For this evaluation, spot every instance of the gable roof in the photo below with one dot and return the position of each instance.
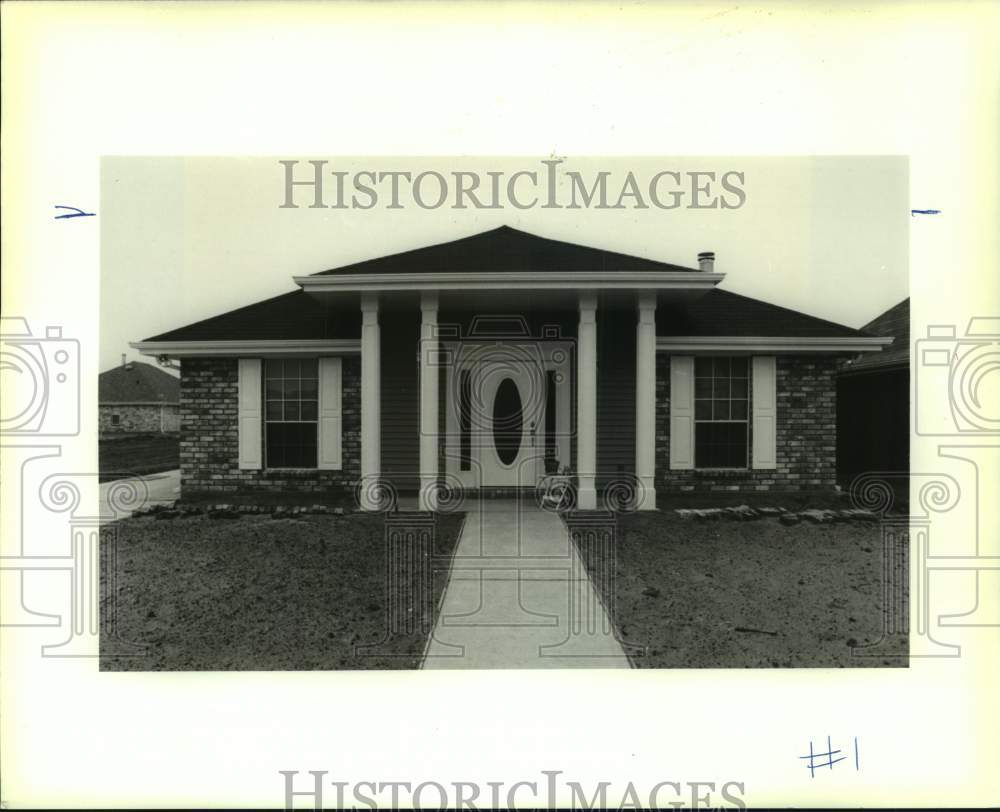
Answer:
(721, 313)
(895, 323)
(137, 382)
(504, 249)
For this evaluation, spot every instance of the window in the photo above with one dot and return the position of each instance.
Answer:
(291, 394)
(116, 419)
(721, 406)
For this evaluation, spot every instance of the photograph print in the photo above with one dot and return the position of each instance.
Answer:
(504, 413)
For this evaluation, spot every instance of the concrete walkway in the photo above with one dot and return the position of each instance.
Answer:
(519, 597)
(158, 488)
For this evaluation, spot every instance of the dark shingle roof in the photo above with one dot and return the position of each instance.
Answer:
(721, 313)
(504, 249)
(893, 322)
(292, 316)
(137, 382)
(299, 316)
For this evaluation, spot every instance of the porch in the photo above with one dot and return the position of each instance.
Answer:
(465, 391)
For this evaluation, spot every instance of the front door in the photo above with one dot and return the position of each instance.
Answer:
(496, 414)
(508, 418)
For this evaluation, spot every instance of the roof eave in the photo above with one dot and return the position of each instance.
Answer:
(249, 348)
(784, 345)
(511, 280)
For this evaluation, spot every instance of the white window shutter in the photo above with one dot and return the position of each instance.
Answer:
(330, 413)
(681, 412)
(248, 383)
(765, 412)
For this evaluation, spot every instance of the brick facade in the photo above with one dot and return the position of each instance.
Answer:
(806, 433)
(208, 447)
(138, 418)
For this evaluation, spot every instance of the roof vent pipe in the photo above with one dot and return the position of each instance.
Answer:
(706, 261)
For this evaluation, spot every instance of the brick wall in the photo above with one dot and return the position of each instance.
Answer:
(806, 433)
(208, 446)
(137, 419)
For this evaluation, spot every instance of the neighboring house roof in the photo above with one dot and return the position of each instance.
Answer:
(504, 249)
(136, 382)
(894, 322)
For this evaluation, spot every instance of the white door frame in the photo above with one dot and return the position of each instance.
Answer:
(535, 359)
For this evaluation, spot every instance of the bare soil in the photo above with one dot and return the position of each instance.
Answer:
(753, 594)
(256, 593)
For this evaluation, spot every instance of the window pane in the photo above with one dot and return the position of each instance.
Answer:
(721, 445)
(721, 367)
(274, 410)
(739, 367)
(309, 368)
(721, 388)
(703, 410)
(738, 410)
(291, 410)
(720, 410)
(291, 445)
(738, 388)
(703, 367)
(272, 368)
(703, 387)
(292, 390)
(273, 389)
(308, 410)
(309, 388)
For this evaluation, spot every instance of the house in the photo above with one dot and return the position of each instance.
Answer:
(487, 361)
(873, 403)
(137, 398)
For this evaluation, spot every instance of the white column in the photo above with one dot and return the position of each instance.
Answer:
(428, 401)
(586, 402)
(371, 430)
(645, 400)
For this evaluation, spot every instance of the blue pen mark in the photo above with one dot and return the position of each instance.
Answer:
(74, 212)
(828, 757)
(915, 212)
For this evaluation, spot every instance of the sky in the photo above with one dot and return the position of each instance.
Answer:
(183, 239)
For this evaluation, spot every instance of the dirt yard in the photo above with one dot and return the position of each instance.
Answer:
(258, 593)
(121, 456)
(753, 594)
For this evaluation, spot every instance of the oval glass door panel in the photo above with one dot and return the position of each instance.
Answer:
(508, 421)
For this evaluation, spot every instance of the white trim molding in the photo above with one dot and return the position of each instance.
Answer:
(245, 349)
(775, 344)
(511, 280)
